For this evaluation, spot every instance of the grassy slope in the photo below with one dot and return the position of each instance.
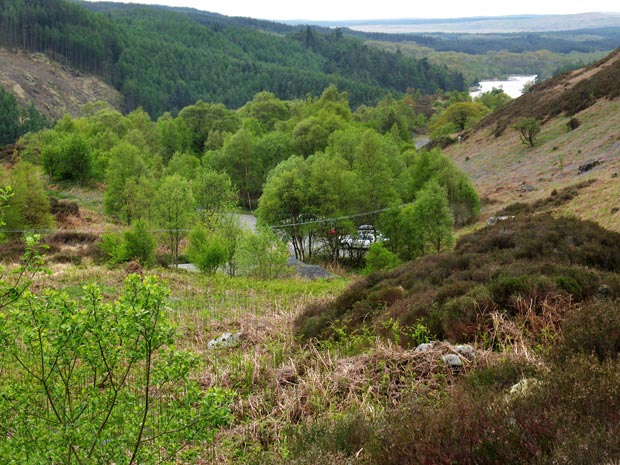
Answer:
(499, 165)
(203, 308)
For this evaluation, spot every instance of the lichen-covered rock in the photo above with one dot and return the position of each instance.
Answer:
(522, 388)
(226, 340)
(453, 361)
(466, 350)
(424, 347)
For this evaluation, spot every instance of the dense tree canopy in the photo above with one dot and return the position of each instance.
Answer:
(165, 60)
(315, 170)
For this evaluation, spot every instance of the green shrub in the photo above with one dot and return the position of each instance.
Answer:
(380, 258)
(261, 254)
(112, 370)
(113, 246)
(139, 244)
(207, 250)
(28, 207)
(136, 243)
(67, 158)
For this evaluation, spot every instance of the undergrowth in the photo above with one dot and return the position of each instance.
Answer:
(524, 267)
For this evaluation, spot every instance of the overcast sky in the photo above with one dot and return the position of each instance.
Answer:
(388, 9)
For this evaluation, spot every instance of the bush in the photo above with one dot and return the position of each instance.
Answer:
(380, 258)
(207, 250)
(261, 254)
(28, 207)
(139, 244)
(134, 244)
(592, 329)
(113, 246)
(68, 158)
(573, 123)
(112, 370)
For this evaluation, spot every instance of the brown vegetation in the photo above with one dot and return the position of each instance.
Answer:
(54, 89)
(568, 94)
(538, 263)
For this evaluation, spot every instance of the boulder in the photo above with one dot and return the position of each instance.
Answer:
(587, 166)
(453, 361)
(226, 340)
(522, 388)
(466, 350)
(424, 347)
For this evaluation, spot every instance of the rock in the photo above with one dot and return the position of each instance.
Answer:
(303, 270)
(453, 361)
(466, 350)
(226, 340)
(424, 347)
(524, 187)
(494, 219)
(522, 387)
(587, 166)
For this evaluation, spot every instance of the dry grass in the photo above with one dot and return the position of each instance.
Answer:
(498, 166)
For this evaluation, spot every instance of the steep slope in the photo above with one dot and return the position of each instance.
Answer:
(54, 89)
(505, 171)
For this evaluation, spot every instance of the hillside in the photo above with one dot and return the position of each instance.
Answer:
(164, 60)
(53, 88)
(505, 171)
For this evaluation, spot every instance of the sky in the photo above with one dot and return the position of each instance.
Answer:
(326, 10)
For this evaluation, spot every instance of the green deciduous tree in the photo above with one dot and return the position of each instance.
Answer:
(494, 99)
(239, 159)
(28, 207)
(214, 194)
(426, 165)
(432, 219)
(174, 211)
(267, 109)
(67, 157)
(204, 119)
(129, 190)
(284, 202)
(86, 381)
(172, 135)
(528, 129)
(457, 117)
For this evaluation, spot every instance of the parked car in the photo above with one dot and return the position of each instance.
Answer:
(366, 236)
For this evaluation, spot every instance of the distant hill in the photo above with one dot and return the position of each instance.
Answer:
(163, 59)
(505, 171)
(487, 24)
